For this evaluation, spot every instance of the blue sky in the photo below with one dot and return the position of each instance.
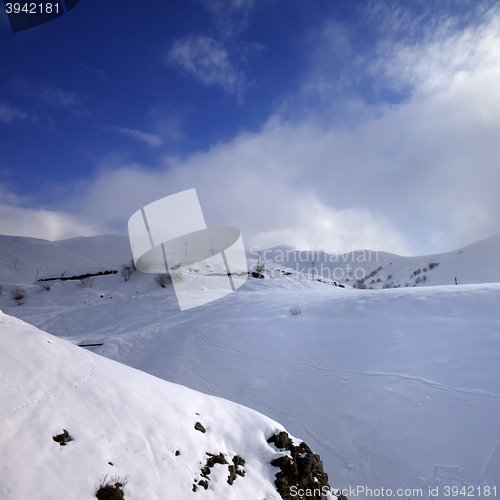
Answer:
(321, 124)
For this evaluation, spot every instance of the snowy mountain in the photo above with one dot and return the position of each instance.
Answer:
(393, 388)
(475, 263)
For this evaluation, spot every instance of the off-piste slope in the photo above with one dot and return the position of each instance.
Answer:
(119, 422)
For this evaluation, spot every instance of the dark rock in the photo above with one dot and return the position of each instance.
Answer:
(203, 483)
(232, 474)
(199, 427)
(235, 469)
(177, 453)
(281, 440)
(238, 460)
(303, 469)
(216, 459)
(110, 492)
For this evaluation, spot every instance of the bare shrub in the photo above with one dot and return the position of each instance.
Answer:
(162, 279)
(260, 267)
(86, 282)
(296, 310)
(112, 488)
(46, 286)
(18, 294)
(259, 270)
(63, 438)
(128, 269)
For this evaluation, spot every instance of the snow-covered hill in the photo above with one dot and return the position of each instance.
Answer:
(394, 388)
(23, 260)
(121, 422)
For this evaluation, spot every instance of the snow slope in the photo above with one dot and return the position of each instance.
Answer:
(123, 422)
(23, 259)
(393, 388)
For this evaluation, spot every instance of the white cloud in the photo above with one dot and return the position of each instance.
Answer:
(10, 113)
(151, 139)
(207, 60)
(45, 224)
(321, 227)
(18, 219)
(431, 63)
(418, 177)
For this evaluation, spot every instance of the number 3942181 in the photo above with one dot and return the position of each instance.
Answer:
(470, 491)
(32, 8)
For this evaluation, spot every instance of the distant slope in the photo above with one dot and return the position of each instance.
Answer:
(53, 258)
(475, 263)
(123, 422)
(21, 258)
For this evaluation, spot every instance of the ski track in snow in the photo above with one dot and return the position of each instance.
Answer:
(154, 340)
(305, 369)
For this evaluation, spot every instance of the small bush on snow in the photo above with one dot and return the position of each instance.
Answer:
(128, 269)
(162, 279)
(112, 488)
(296, 310)
(86, 282)
(18, 294)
